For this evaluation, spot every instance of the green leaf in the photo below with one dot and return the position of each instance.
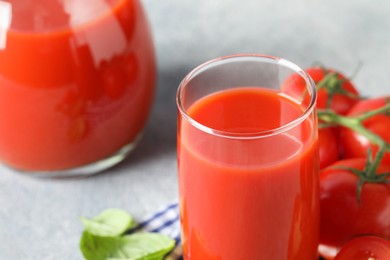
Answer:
(139, 246)
(109, 223)
(98, 248)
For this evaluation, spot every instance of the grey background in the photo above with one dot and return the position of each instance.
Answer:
(39, 219)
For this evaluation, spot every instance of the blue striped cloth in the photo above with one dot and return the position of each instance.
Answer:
(165, 221)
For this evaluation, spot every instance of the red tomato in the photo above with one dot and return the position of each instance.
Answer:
(340, 102)
(329, 150)
(339, 89)
(365, 248)
(355, 145)
(342, 218)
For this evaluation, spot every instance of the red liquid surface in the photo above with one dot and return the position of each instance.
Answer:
(248, 198)
(76, 81)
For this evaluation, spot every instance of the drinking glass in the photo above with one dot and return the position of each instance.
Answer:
(76, 84)
(248, 160)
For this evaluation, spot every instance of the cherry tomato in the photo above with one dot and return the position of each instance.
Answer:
(328, 147)
(356, 145)
(342, 217)
(331, 85)
(365, 248)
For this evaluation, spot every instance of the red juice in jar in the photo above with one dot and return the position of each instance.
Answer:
(248, 173)
(76, 83)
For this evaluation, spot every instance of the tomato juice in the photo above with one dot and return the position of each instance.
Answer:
(76, 82)
(251, 193)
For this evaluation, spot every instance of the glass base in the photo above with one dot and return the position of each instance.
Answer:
(85, 170)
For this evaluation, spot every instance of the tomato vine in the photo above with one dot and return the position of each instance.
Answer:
(355, 123)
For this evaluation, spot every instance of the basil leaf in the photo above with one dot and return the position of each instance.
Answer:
(98, 248)
(145, 246)
(109, 223)
(139, 246)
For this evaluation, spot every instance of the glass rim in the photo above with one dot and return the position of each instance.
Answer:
(250, 135)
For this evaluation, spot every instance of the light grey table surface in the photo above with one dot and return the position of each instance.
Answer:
(39, 218)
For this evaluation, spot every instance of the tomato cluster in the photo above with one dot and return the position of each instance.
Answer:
(354, 150)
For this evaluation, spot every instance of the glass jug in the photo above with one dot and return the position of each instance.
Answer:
(76, 84)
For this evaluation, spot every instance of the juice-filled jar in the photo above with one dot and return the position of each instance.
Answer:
(76, 84)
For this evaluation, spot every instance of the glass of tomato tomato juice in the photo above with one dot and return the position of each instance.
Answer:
(248, 161)
(76, 84)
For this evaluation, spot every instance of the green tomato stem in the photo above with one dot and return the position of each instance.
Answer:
(348, 94)
(355, 124)
(325, 80)
(356, 70)
(373, 167)
(381, 110)
(333, 85)
(325, 125)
